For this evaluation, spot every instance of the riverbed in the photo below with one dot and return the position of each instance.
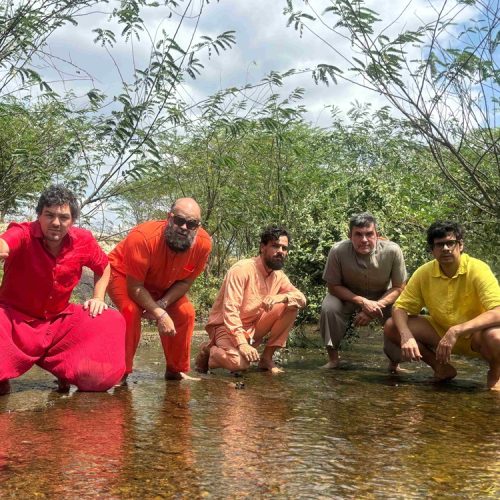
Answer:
(354, 432)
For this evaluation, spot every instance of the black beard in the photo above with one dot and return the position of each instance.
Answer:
(275, 264)
(175, 242)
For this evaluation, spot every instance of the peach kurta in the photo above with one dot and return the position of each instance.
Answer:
(238, 306)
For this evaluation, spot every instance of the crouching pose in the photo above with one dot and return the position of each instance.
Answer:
(462, 297)
(80, 345)
(256, 300)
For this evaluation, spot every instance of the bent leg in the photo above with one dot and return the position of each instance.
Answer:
(427, 340)
(21, 345)
(333, 322)
(117, 291)
(224, 354)
(277, 323)
(87, 352)
(487, 343)
(177, 348)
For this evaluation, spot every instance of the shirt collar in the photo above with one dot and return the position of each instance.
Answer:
(462, 268)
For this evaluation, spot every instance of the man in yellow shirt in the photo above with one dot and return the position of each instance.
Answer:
(462, 297)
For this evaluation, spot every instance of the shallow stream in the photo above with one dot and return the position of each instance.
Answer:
(355, 432)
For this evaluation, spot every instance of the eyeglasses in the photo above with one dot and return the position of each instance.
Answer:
(450, 244)
(189, 223)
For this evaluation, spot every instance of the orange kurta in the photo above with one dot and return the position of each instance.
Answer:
(145, 255)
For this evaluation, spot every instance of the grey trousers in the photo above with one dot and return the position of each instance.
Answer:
(334, 319)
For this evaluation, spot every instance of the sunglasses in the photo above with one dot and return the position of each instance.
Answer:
(189, 223)
(451, 244)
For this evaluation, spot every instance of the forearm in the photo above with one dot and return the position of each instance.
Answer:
(175, 292)
(344, 294)
(390, 296)
(400, 318)
(138, 293)
(101, 283)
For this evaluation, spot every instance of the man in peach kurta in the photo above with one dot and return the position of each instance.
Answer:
(256, 300)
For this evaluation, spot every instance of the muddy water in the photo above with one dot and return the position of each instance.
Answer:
(351, 433)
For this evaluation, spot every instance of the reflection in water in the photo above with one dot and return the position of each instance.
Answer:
(74, 445)
(350, 433)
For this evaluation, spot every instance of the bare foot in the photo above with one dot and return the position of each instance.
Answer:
(269, 366)
(331, 365)
(179, 376)
(123, 381)
(63, 385)
(395, 369)
(444, 372)
(201, 361)
(333, 359)
(4, 387)
(493, 380)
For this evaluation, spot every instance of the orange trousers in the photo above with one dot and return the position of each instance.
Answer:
(276, 323)
(177, 349)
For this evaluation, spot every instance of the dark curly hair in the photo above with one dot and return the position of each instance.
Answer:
(273, 233)
(58, 195)
(441, 228)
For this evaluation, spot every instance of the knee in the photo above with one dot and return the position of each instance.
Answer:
(491, 339)
(390, 330)
(100, 377)
(331, 306)
(182, 312)
(131, 312)
(230, 359)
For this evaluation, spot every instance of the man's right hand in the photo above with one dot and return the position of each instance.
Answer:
(249, 352)
(372, 308)
(165, 325)
(410, 350)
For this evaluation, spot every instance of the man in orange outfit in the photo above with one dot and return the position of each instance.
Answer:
(256, 299)
(151, 271)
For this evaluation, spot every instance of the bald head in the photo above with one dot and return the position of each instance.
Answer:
(182, 225)
(187, 208)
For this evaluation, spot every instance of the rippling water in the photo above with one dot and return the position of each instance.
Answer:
(356, 432)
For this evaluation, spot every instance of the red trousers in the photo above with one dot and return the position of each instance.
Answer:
(177, 349)
(84, 351)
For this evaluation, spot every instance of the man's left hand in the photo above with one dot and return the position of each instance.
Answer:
(269, 301)
(443, 350)
(95, 306)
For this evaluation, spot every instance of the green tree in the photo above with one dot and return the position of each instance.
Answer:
(125, 125)
(38, 144)
(442, 76)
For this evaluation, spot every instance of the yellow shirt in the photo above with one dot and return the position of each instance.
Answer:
(451, 301)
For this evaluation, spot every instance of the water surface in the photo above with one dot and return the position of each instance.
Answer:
(355, 432)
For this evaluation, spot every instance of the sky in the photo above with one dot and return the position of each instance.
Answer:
(264, 43)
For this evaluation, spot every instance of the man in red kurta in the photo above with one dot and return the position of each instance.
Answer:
(43, 264)
(256, 300)
(151, 271)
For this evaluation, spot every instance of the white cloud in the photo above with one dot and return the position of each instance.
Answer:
(264, 43)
